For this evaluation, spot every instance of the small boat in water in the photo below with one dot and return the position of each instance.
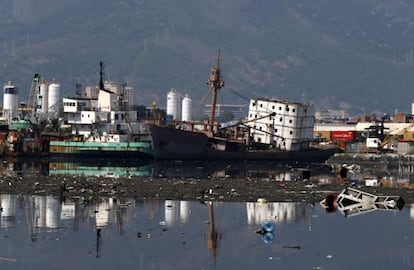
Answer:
(274, 130)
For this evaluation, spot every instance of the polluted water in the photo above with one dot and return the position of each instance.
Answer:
(45, 232)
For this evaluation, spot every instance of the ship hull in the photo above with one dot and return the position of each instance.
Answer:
(176, 144)
(100, 149)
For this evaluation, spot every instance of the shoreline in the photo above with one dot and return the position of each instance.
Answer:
(223, 189)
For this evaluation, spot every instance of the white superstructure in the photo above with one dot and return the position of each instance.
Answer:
(290, 128)
(102, 116)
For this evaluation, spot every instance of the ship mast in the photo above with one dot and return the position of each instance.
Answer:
(101, 74)
(215, 82)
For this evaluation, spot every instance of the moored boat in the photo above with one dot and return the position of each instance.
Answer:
(102, 125)
(274, 130)
(101, 149)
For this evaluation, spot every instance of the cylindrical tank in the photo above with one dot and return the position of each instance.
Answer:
(43, 98)
(10, 101)
(53, 97)
(186, 108)
(174, 105)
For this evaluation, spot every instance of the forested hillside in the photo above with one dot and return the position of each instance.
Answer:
(353, 54)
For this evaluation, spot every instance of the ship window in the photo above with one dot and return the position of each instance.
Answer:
(284, 143)
(261, 105)
(273, 107)
(255, 116)
(259, 139)
(287, 108)
(291, 132)
(293, 110)
(251, 115)
(281, 119)
(260, 128)
(290, 121)
(280, 108)
(275, 130)
(253, 104)
(116, 116)
(305, 110)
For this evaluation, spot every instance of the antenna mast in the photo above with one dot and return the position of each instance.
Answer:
(101, 74)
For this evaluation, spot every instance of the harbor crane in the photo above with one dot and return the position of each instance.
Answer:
(34, 92)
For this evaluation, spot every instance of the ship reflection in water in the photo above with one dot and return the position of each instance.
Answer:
(165, 169)
(155, 234)
(318, 173)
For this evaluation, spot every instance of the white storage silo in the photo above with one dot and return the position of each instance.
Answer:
(10, 101)
(186, 108)
(43, 98)
(174, 104)
(53, 98)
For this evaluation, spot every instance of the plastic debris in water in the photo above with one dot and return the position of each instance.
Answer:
(261, 200)
(268, 226)
(267, 232)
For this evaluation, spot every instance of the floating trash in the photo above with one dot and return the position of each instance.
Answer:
(267, 232)
(261, 200)
(268, 226)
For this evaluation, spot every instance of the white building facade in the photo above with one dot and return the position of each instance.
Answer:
(287, 125)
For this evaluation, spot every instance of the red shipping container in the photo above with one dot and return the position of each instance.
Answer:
(339, 135)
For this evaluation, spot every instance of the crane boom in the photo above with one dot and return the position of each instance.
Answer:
(34, 91)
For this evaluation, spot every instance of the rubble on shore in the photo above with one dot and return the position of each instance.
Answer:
(224, 189)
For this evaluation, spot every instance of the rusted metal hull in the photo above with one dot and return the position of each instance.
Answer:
(176, 144)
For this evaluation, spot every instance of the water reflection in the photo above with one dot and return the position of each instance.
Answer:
(258, 213)
(128, 233)
(166, 169)
(318, 173)
(412, 212)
